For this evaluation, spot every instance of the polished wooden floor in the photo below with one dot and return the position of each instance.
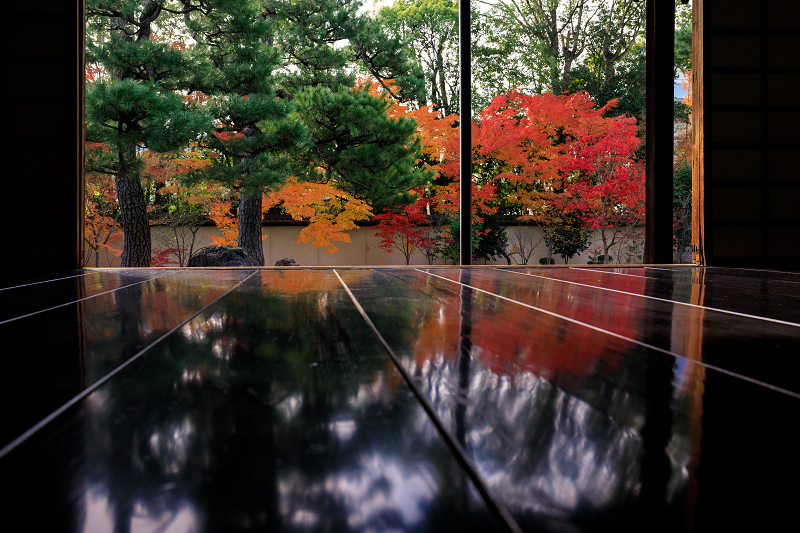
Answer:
(402, 399)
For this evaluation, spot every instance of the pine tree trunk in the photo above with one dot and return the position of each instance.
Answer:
(136, 246)
(250, 225)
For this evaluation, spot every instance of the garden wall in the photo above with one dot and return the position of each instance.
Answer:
(363, 250)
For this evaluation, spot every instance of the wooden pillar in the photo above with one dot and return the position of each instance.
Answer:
(659, 147)
(698, 137)
(465, 127)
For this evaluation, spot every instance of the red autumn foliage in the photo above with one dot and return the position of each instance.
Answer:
(102, 231)
(404, 230)
(162, 258)
(603, 184)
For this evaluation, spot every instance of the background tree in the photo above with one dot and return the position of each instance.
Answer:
(682, 182)
(569, 238)
(430, 28)
(319, 129)
(179, 210)
(358, 148)
(522, 244)
(542, 38)
(134, 103)
(403, 231)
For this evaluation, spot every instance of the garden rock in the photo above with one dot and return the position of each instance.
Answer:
(286, 263)
(222, 256)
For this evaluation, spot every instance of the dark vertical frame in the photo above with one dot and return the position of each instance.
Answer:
(465, 130)
(659, 131)
(746, 182)
(81, 137)
(43, 176)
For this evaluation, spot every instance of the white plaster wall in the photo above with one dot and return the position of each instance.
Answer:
(363, 250)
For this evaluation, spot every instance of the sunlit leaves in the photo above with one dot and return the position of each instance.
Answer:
(329, 211)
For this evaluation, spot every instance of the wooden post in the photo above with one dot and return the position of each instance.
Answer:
(659, 147)
(465, 128)
(698, 137)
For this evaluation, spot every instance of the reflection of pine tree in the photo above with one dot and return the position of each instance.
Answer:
(272, 406)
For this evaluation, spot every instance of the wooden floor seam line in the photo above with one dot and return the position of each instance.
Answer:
(45, 281)
(79, 300)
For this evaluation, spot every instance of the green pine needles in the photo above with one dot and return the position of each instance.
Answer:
(268, 88)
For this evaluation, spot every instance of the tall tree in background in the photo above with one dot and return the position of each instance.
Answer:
(565, 46)
(134, 103)
(430, 28)
(613, 65)
(359, 148)
(546, 36)
(353, 144)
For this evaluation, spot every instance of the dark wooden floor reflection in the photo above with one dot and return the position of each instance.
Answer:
(429, 399)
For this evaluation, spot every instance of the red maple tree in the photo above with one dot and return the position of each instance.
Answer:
(603, 183)
(406, 230)
(102, 231)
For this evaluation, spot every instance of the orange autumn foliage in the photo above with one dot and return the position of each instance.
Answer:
(228, 224)
(164, 167)
(330, 212)
(434, 130)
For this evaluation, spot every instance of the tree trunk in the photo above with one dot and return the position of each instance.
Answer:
(441, 77)
(136, 247)
(606, 245)
(250, 225)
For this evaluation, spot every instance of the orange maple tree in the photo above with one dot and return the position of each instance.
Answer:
(329, 211)
(226, 222)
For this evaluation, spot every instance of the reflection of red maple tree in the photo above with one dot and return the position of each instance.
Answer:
(509, 339)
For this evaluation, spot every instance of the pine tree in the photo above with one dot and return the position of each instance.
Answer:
(353, 143)
(255, 134)
(135, 103)
(359, 147)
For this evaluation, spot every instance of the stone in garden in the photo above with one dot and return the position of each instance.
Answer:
(222, 256)
(286, 263)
